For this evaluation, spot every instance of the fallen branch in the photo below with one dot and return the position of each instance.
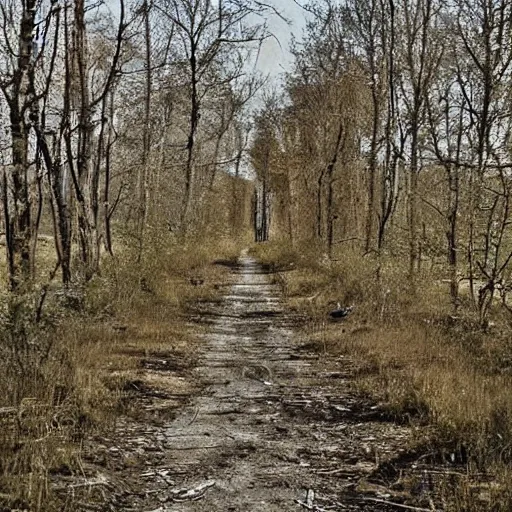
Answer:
(192, 494)
(400, 505)
(93, 482)
(310, 498)
(184, 448)
(451, 472)
(195, 416)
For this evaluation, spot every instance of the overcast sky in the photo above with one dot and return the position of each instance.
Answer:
(275, 55)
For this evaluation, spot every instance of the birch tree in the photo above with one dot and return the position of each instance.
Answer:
(17, 82)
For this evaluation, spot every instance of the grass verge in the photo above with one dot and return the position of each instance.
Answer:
(76, 374)
(424, 364)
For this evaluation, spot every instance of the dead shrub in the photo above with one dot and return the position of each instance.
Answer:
(66, 376)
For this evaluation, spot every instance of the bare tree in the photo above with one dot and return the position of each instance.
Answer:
(18, 87)
(208, 32)
(446, 108)
(420, 52)
(483, 63)
(79, 142)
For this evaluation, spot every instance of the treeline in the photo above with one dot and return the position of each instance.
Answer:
(394, 139)
(122, 122)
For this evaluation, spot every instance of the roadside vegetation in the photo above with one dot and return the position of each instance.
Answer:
(137, 147)
(84, 366)
(386, 164)
(122, 152)
(418, 361)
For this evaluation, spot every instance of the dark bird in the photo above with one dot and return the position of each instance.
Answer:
(340, 312)
(144, 285)
(196, 282)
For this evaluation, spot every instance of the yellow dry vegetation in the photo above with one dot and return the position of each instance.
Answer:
(418, 358)
(93, 364)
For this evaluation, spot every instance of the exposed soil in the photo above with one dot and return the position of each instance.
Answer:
(272, 425)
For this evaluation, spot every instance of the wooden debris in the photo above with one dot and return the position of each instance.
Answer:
(196, 413)
(314, 508)
(400, 505)
(309, 503)
(193, 494)
(87, 482)
(310, 497)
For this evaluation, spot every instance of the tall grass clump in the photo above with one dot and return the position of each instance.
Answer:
(421, 360)
(63, 377)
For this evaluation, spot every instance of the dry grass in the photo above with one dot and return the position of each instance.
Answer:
(421, 362)
(76, 373)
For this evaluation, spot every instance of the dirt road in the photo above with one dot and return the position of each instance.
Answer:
(275, 426)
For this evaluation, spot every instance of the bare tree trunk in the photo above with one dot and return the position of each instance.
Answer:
(235, 201)
(85, 176)
(19, 219)
(372, 169)
(83, 182)
(290, 202)
(330, 193)
(255, 210)
(453, 213)
(37, 191)
(324, 214)
(389, 173)
(143, 174)
(264, 211)
(188, 196)
(58, 201)
(421, 60)
(330, 216)
(367, 14)
(413, 204)
(319, 205)
(108, 209)
(17, 209)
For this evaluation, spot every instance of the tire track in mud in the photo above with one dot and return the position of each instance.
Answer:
(275, 426)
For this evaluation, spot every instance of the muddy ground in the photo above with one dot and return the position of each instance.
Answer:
(270, 425)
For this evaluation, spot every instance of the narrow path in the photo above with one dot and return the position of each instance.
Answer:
(275, 428)
(274, 420)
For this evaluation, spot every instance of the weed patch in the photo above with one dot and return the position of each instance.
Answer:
(422, 363)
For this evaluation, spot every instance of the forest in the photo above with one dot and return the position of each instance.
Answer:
(140, 143)
(394, 138)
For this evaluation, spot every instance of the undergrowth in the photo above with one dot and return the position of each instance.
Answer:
(68, 376)
(425, 364)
